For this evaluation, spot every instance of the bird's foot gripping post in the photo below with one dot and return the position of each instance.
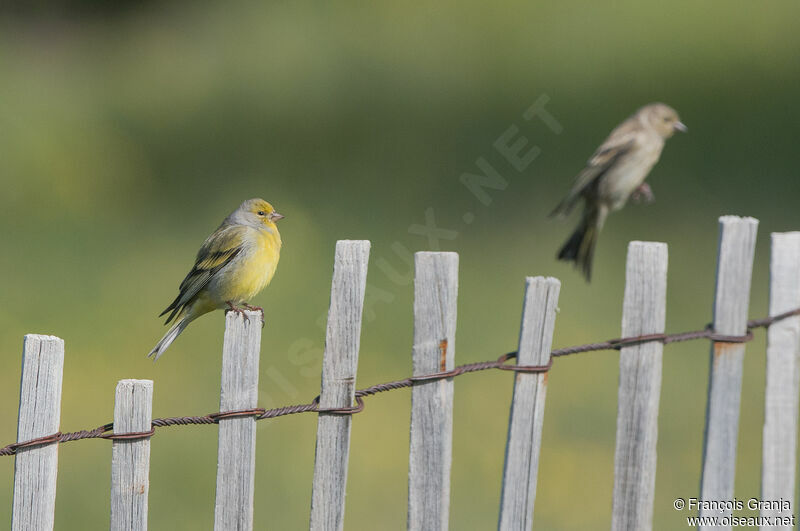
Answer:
(235, 309)
(243, 311)
(255, 309)
(252, 308)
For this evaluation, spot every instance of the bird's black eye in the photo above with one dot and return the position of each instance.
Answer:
(261, 213)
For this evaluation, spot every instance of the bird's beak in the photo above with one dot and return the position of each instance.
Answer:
(275, 216)
(680, 126)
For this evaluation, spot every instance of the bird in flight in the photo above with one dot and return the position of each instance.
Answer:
(615, 171)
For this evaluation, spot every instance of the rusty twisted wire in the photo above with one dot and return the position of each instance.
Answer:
(105, 431)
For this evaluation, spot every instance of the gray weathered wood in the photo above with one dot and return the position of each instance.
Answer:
(130, 460)
(430, 456)
(236, 457)
(527, 405)
(339, 366)
(36, 467)
(737, 241)
(643, 312)
(783, 374)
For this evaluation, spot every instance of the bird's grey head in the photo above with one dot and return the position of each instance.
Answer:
(256, 213)
(662, 118)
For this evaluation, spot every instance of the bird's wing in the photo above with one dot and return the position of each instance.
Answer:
(619, 142)
(216, 252)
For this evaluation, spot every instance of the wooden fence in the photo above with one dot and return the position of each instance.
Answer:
(433, 351)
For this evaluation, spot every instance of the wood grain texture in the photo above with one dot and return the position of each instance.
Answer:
(779, 452)
(339, 366)
(36, 467)
(236, 457)
(430, 455)
(523, 445)
(643, 312)
(130, 460)
(737, 241)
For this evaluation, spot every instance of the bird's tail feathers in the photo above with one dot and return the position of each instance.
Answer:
(579, 248)
(174, 331)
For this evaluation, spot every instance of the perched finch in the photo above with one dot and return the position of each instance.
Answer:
(235, 263)
(616, 170)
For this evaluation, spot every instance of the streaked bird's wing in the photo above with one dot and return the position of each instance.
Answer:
(217, 251)
(619, 142)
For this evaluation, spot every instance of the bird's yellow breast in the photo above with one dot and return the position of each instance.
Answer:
(256, 268)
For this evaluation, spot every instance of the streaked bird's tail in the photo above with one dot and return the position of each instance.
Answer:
(170, 336)
(579, 248)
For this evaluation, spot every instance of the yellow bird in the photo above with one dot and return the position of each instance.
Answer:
(234, 264)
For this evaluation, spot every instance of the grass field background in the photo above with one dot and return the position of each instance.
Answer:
(128, 133)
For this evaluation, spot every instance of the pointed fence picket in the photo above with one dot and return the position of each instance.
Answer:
(431, 426)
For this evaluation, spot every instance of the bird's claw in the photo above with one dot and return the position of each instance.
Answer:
(235, 309)
(241, 311)
(256, 309)
(643, 194)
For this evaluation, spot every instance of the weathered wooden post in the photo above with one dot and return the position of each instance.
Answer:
(236, 456)
(130, 460)
(430, 455)
(779, 454)
(527, 405)
(737, 240)
(339, 365)
(643, 313)
(36, 467)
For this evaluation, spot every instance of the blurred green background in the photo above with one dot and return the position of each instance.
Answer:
(128, 131)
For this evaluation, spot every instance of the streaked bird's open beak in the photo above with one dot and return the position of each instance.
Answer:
(680, 126)
(275, 216)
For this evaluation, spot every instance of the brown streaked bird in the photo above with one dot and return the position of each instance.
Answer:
(614, 172)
